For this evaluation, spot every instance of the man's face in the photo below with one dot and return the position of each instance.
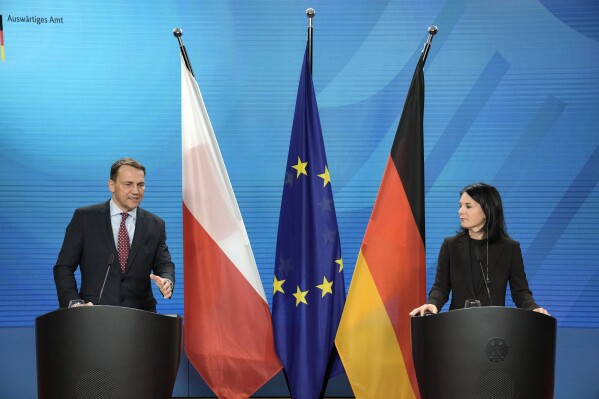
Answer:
(128, 189)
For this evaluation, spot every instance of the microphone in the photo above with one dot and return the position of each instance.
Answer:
(110, 261)
(486, 279)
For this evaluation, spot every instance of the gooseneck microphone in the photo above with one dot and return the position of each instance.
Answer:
(486, 278)
(110, 261)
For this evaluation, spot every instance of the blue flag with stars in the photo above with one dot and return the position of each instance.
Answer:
(308, 290)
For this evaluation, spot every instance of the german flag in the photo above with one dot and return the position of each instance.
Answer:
(1, 39)
(373, 339)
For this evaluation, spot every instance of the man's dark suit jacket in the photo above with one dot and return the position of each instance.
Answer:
(89, 243)
(454, 274)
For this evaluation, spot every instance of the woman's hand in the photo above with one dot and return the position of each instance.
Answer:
(427, 307)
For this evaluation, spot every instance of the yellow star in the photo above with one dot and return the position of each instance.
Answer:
(278, 286)
(340, 263)
(300, 167)
(326, 287)
(325, 176)
(300, 296)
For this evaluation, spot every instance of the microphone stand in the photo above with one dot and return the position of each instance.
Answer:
(110, 260)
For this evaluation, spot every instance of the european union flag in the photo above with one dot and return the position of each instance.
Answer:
(309, 292)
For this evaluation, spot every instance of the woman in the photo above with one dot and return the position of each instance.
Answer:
(481, 259)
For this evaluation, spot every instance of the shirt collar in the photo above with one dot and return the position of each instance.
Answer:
(115, 210)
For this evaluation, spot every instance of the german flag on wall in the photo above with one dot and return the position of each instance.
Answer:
(373, 339)
(1, 39)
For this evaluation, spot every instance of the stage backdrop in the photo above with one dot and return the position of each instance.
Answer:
(512, 99)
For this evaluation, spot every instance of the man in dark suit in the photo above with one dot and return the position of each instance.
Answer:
(121, 236)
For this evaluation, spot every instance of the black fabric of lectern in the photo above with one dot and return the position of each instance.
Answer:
(107, 352)
(488, 352)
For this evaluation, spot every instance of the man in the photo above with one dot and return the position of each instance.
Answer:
(117, 245)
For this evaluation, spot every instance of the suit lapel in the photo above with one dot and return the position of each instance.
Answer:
(107, 230)
(464, 253)
(137, 238)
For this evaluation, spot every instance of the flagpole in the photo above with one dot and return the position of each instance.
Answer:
(177, 32)
(310, 13)
(432, 31)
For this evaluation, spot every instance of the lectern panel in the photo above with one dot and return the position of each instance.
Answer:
(485, 352)
(107, 352)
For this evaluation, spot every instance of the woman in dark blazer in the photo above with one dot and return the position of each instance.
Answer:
(481, 259)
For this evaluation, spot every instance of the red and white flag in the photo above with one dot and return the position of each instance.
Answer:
(227, 324)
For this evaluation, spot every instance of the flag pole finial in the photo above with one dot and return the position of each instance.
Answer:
(310, 13)
(432, 31)
(178, 33)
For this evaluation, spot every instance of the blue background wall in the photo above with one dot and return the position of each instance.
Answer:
(512, 98)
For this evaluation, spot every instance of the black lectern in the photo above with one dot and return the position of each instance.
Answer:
(488, 352)
(107, 352)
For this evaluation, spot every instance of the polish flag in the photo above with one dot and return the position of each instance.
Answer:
(227, 323)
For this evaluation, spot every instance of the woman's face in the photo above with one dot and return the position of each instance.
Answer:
(471, 214)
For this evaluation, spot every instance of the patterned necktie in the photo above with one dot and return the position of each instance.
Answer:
(123, 242)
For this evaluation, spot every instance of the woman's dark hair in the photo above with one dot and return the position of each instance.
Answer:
(490, 201)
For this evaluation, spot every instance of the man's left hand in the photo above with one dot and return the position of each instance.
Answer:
(164, 285)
